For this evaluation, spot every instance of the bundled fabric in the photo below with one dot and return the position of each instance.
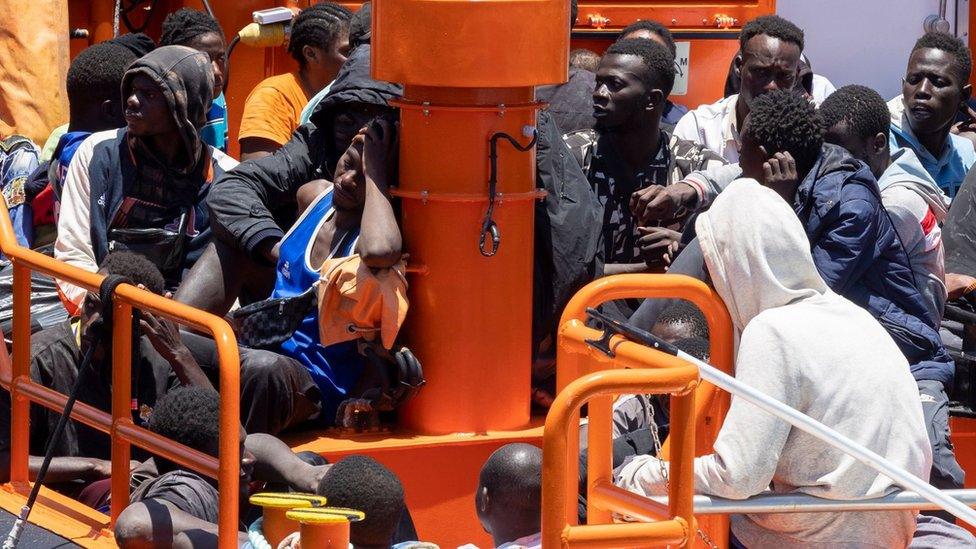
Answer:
(355, 301)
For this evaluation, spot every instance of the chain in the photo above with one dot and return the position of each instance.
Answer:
(655, 435)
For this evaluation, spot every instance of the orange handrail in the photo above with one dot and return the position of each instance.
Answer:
(119, 424)
(560, 465)
(573, 361)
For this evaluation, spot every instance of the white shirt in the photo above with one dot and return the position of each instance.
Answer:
(713, 127)
(821, 89)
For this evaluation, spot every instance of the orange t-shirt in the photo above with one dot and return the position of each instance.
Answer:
(274, 108)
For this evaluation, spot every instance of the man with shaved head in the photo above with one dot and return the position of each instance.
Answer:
(509, 496)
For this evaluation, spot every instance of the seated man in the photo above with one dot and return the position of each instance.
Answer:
(175, 507)
(148, 181)
(319, 42)
(682, 320)
(509, 496)
(248, 235)
(360, 33)
(764, 272)
(935, 88)
(854, 245)
(56, 355)
(95, 105)
(629, 151)
(769, 59)
(652, 30)
(856, 118)
(362, 483)
(199, 30)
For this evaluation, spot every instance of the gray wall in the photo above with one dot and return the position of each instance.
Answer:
(865, 41)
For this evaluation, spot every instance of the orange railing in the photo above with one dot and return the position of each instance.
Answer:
(560, 474)
(119, 424)
(575, 359)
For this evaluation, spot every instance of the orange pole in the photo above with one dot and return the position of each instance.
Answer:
(102, 18)
(121, 403)
(637, 534)
(471, 315)
(676, 376)
(20, 407)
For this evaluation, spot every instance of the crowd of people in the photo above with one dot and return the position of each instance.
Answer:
(817, 214)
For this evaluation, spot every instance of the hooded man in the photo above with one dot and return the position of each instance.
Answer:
(854, 243)
(144, 187)
(242, 203)
(857, 119)
(766, 275)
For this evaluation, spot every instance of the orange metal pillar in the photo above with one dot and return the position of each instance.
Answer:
(469, 70)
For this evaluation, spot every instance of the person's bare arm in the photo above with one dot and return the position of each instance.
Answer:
(164, 335)
(257, 147)
(380, 243)
(61, 469)
(155, 523)
(275, 462)
(624, 268)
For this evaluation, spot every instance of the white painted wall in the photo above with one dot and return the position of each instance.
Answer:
(865, 41)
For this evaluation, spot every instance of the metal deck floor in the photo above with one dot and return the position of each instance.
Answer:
(32, 536)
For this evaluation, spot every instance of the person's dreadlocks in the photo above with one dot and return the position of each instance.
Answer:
(962, 58)
(184, 25)
(771, 25)
(317, 26)
(861, 108)
(784, 121)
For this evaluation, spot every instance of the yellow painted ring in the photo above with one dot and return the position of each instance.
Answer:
(275, 500)
(325, 515)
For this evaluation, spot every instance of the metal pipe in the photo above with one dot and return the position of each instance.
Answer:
(121, 403)
(562, 426)
(161, 446)
(53, 400)
(633, 534)
(831, 437)
(805, 503)
(604, 495)
(20, 407)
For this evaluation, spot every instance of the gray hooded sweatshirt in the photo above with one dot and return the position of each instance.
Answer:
(817, 352)
(918, 208)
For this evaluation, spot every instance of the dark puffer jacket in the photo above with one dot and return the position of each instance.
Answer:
(241, 201)
(859, 254)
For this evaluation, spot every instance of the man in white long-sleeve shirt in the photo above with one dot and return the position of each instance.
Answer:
(806, 346)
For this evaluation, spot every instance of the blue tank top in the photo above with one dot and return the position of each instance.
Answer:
(336, 368)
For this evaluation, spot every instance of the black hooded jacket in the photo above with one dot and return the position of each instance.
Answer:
(241, 201)
(119, 194)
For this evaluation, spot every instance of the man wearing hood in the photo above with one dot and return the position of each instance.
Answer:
(766, 275)
(854, 244)
(934, 90)
(241, 203)
(857, 119)
(154, 174)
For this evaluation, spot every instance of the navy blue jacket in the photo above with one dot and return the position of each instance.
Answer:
(858, 253)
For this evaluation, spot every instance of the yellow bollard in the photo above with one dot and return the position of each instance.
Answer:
(276, 525)
(325, 527)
